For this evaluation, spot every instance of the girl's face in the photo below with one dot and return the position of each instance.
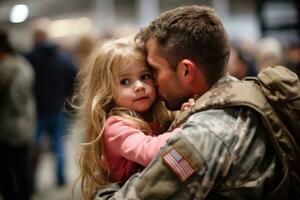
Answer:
(134, 87)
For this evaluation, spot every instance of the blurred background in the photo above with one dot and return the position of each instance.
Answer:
(244, 20)
(262, 33)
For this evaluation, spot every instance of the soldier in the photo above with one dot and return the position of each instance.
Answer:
(218, 153)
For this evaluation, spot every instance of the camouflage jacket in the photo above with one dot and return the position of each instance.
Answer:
(17, 107)
(217, 154)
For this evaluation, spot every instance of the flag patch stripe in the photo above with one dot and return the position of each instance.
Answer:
(181, 172)
(178, 164)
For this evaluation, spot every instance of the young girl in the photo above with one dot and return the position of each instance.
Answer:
(122, 118)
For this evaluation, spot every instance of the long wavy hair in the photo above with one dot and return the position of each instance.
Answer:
(95, 97)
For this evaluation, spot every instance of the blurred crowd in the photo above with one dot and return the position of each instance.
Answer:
(248, 59)
(36, 86)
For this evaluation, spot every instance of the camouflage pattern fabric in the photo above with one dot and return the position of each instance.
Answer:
(227, 149)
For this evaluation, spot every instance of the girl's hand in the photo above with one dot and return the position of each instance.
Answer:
(187, 105)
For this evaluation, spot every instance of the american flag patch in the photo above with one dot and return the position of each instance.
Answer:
(178, 164)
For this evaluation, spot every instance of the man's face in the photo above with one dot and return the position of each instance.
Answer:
(170, 88)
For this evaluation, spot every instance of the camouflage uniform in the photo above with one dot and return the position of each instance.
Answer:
(217, 154)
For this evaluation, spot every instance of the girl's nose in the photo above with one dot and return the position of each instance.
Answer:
(139, 86)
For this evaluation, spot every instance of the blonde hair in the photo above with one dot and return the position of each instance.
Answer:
(96, 105)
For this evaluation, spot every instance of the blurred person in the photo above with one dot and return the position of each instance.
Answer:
(55, 73)
(82, 51)
(17, 121)
(83, 48)
(292, 58)
(268, 53)
(240, 65)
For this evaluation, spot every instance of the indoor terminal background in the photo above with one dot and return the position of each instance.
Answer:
(68, 20)
(244, 20)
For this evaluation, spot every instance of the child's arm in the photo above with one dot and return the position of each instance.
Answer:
(124, 137)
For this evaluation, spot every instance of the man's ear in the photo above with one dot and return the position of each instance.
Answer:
(186, 70)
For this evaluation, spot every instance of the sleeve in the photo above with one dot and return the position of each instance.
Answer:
(167, 174)
(132, 143)
(195, 159)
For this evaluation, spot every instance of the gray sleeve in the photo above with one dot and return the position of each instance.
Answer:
(204, 133)
(163, 177)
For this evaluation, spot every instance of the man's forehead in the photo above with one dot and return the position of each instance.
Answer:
(151, 47)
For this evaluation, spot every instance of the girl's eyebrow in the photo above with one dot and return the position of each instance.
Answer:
(124, 75)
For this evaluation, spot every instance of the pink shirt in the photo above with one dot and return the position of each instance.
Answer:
(127, 148)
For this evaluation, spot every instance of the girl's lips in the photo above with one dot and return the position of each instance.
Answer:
(141, 98)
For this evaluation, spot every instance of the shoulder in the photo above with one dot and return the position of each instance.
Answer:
(225, 135)
(226, 116)
(223, 126)
(11, 67)
(24, 64)
(218, 119)
(7, 68)
(117, 120)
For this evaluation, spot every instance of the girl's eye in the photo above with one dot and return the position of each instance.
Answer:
(146, 76)
(124, 82)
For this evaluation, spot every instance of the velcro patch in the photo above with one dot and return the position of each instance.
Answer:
(179, 164)
(167, 173)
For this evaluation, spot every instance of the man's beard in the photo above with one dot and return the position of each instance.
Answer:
(174, 105)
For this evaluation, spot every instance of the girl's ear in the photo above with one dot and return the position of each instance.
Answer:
(186, 71)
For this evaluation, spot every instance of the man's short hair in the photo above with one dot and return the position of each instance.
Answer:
(190, 32)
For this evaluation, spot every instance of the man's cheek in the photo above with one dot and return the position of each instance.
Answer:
(156, 82)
